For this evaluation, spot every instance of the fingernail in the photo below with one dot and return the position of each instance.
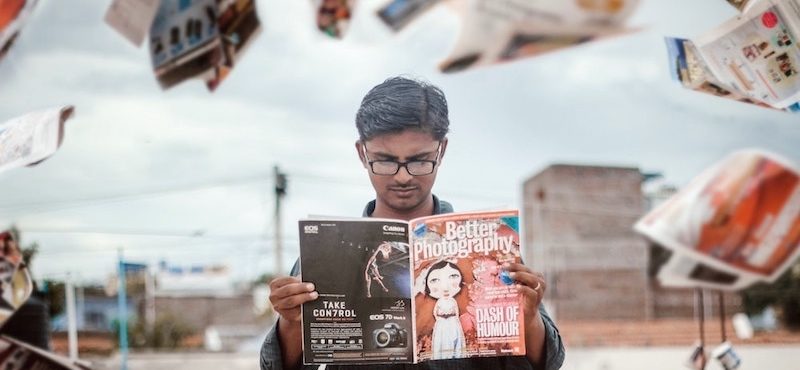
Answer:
(314, 295)
(310, 287)
(513, 275)
(506, 265)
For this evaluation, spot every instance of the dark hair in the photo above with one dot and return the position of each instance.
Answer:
(402, 103)
(441, 265)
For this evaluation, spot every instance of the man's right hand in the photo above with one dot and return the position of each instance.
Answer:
(287, 294)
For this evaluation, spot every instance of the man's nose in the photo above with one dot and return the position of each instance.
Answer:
(402, 175)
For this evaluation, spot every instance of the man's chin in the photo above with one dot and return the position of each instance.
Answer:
(405, 204)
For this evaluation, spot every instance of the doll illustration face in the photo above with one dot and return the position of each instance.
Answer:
(443, 281)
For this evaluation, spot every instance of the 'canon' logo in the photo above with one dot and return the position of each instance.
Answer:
(311, 229)
(398, 229)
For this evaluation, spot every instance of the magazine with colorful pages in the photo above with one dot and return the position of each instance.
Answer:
(392, 291)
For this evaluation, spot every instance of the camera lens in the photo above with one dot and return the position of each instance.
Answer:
(382, 339)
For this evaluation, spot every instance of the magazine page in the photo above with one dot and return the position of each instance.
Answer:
(741, 217)
(503, 30)
(184, 40)
(32, 138)
(238, 25)
(360, 268)
(13, 15)
(679, 270)
(132, 18)
(15, 280)
(17, 355)
(397, 14)
(688, 68)
(757, 53)
(465, 305)
(684, 271)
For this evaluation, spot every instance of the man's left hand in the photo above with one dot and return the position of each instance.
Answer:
(531, 285)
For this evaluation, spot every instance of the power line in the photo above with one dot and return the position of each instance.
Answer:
(135, 195)
(60, 205)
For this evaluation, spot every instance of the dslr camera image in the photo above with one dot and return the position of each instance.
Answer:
(390, 335)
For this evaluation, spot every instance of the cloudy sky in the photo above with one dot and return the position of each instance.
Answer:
(184, 175)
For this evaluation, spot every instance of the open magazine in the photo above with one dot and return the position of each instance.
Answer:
(753, 57)
(392, 291)
(735, 224)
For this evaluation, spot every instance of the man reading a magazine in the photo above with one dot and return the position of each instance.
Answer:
(402, 125)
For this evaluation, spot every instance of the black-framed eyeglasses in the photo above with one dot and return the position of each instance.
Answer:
(416, 167)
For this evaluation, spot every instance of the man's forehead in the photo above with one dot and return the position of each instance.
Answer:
(403, 144)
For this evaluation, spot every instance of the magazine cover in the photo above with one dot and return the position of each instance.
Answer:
(735, 224)
(465, 305)
(360, 268)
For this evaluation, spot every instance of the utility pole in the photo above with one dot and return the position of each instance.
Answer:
(122, 311)
(72, 330)
(280, 192)
(150, 302)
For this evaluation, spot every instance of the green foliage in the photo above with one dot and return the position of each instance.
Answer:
(168, 333)
(783, 294)
(29, 252)
(55, 294)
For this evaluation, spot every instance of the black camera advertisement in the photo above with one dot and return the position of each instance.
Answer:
(361, 271)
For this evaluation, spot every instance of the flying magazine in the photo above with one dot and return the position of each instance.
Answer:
(392, 291)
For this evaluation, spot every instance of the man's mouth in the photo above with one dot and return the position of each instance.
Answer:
(402, 191)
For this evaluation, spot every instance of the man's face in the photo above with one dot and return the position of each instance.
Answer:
(402, 192)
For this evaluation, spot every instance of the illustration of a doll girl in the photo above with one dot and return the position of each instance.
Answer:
(443, 282)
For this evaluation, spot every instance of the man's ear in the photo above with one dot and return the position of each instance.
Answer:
(444, 147)
(360, 151)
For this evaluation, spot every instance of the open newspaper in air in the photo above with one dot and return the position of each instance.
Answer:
(392, 291)
(691, 71)
(17, 355)
(200, 39)
(15, 280)
(397, 14)
(735, 224)
(30, 139)
(496, 31)
(754, 57)
(13, 15)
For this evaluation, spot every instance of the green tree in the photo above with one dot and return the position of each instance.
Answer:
(29, 252)
(783, 295)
